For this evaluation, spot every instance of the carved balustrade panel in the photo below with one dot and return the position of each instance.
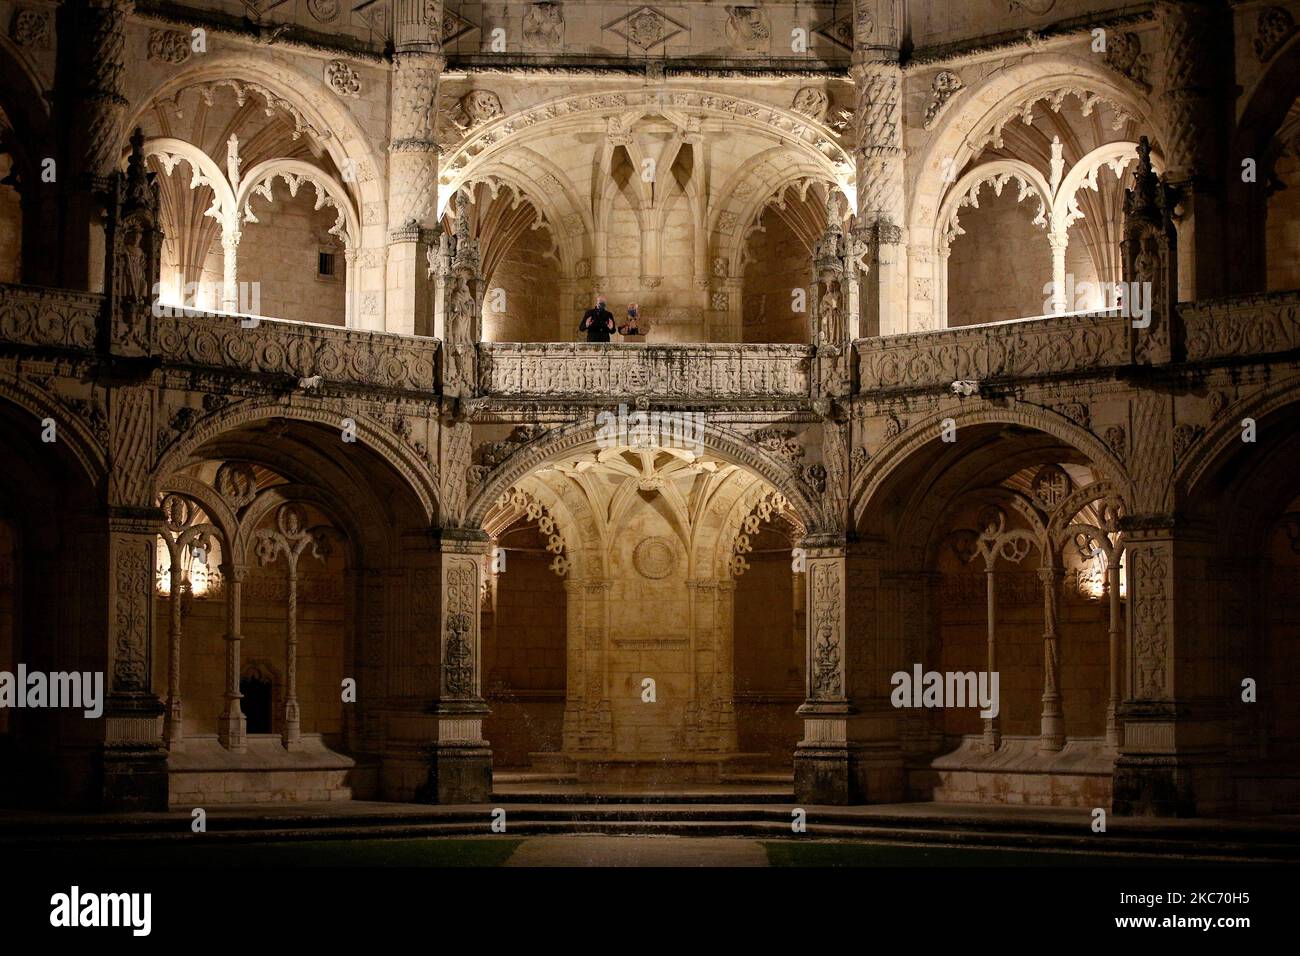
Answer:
(578, 370)
(337, 355)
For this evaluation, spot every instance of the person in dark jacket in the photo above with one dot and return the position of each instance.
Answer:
(598, 323)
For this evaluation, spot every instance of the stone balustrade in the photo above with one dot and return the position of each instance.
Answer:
(578, 370)
(48, 318)
(1241, 326)
(338, 355)
(1025, 349)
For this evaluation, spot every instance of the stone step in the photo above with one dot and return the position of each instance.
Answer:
(1174, 840)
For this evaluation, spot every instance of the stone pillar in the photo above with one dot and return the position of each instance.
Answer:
(460, 768)
(725, 666)
(1059, 241)
(992, 725)
(1114, 734)
(1053, 723)
(824, 769)
(1176, 712)
(881, 219)
(92, 67)
(134, 761)
(1195, 81)
(232, 726)
(230, 269)
(413, 165)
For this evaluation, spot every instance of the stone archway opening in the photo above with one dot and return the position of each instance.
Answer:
(643, 630)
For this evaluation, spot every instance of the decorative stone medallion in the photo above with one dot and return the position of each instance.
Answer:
(654, 558)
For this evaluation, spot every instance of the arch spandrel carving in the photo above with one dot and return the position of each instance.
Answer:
(720, 442)
(379, 438)
(901, 449)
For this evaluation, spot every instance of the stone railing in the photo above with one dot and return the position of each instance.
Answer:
(1242, 326)
(50, 318)
(579, 370)
(1036, 347)
(338, 355)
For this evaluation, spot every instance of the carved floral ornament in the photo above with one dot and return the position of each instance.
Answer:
(945, 86)
(169, 46)
(516, 502)
(342, 79)
(1273, 28)
(31, 28)
(769, 507)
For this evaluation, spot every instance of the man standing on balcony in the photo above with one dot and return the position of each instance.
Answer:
(598, 323)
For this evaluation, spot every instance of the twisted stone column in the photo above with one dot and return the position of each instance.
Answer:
(413, 164)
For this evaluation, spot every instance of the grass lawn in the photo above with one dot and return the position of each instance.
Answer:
(415, 852)
(825, 853)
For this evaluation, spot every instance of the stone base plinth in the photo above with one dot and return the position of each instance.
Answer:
(207, 773)
(458, 773)
(1019, 772)
(133, 778)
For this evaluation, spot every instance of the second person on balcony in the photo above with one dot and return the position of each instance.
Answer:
(598, 323)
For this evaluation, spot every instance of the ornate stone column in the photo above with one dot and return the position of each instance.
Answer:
(180, 538)
(413, 164)
(1195, 81)
(880, 230)
(134, 764)
(232, 726)
(230, 269)
(1176, 712)
(824, 771)
(92, 67)
(1053, 723)
(290, 538)
(1114, 733)
(460, 768)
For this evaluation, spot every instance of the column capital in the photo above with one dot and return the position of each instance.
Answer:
(463, 541)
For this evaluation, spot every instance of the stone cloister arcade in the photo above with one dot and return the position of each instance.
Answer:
(301, 452)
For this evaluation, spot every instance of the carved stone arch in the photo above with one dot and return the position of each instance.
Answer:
(900, 450)
(1061, 520)
(748, 210)
(995, 97)
(1262, 115)
(265, 173)
(808, 137)
(990, 494)
(733, 522)
(552, 209)
(381, 440)
(567, 524)
(1064, 204)
(1223, 438)
(203, 172)
(73, 432)
(207, 498)
(999, 174)
(30, 142)
(723, 443)
(269, 499)
(338, 132)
